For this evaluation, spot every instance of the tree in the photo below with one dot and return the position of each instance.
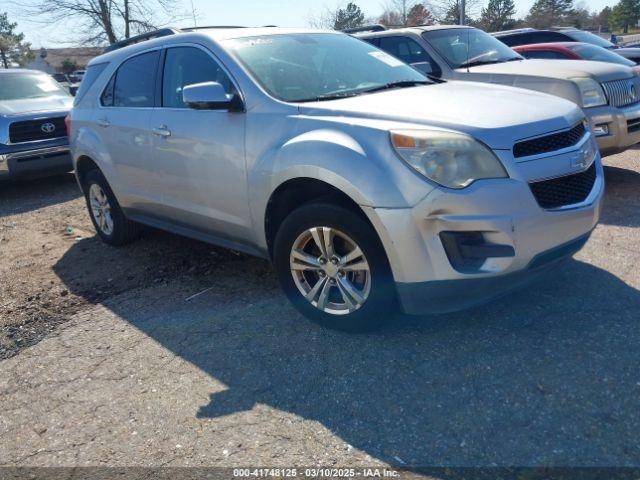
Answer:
(13, 48)
(601, 20)
(420, 15)
(69, 66)
(625, 14)
(498, 15)
(349, 17)
(546, 13)
(106, 20)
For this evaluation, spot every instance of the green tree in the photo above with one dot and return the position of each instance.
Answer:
(625, 14)
(546, 13)
(601, 20)
(420, 15)
(69, 66)
(13, 48)
(498, 15)
(349, 17)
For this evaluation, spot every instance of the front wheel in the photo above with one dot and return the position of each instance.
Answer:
(333, 268)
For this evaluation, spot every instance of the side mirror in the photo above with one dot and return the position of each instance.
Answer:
(424, 67)
(210, 96)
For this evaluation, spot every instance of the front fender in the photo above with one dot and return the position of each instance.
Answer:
(366, 170)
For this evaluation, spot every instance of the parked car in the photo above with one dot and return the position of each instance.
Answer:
(64, 80)
(573, 51)
(33, 136)
(527, 36)
(78, 75)
(367, 185)
(609, 94)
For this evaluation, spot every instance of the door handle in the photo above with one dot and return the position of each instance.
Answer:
(104, 122)
(162, 131)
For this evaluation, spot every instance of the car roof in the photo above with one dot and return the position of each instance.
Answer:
(552, 45)
(9, 71)
(213, 33)
(418, 29)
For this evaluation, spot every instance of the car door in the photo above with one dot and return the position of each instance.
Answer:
(123, 121)
(200, 154)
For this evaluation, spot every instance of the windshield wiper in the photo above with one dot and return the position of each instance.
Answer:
(480, 62)
(330, 96)
(398, 84)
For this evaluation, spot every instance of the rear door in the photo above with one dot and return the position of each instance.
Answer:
(200, 154)
(124, 118)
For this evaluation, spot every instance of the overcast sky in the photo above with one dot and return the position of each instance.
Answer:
(287, 13)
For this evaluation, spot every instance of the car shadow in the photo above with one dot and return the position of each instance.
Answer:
(21, 196)
(546, 376)
(621, 201)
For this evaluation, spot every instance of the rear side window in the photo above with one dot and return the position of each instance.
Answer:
(186, 66)
(133, 84)
(91, 75)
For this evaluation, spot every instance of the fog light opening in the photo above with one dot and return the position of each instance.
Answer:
(601, 129)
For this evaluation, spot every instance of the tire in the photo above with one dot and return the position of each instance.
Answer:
(338, 305)
(118, 230)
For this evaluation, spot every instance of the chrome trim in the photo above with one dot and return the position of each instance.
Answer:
(621, 93)
(39, 151)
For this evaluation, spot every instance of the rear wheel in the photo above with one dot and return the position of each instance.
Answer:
(333, 268)
(105, 212)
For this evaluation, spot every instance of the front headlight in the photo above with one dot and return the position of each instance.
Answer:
(591, 92)
(450, 159)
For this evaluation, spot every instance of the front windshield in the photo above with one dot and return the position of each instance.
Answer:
(317, 66)
(599, 54)
(462, 47)
(18, 86)
(588, 37)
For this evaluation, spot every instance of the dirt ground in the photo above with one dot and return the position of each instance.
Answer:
(110, 360)
(39, 221)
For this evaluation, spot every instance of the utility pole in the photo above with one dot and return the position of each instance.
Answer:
(462, 11)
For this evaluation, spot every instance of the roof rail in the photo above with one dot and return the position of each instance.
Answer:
(516, 30)
(366, 28)
(163, 32)
(205, 27)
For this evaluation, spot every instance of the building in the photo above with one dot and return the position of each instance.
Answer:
(51, 60)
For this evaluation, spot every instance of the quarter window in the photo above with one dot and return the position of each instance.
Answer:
(186, 66)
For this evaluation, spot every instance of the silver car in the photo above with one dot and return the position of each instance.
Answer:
(367, 185)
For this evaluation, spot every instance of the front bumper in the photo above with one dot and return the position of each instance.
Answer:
(623, 125)
(35, 159)
(507, 214)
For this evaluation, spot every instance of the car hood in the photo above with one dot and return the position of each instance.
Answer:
(632, 52)
(600, 71)
(32, 105)
(494, 114)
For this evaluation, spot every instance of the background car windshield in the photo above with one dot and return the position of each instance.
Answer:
(588, 37)
(20, 86)
(599, 54)
(462, 46)
(304, 67)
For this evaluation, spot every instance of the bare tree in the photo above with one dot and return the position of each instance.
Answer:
(100, 21)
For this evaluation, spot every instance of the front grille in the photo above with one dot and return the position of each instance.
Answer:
(633, 125)
(562, 191)
(40, 129)
(549, 143)
(621, 93)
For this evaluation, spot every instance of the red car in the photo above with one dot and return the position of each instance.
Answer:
(574, 51)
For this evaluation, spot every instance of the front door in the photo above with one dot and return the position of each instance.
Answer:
(200, 154)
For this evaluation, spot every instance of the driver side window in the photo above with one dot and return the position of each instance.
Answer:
(185, 66)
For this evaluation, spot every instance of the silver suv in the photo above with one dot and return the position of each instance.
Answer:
(367, 185)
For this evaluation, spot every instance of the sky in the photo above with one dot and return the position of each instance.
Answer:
(286, 13)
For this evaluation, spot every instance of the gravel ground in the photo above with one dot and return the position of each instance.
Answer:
(109, 361)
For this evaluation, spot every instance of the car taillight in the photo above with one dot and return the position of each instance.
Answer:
(67, 123)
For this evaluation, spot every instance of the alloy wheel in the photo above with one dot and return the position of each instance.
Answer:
(101, 209)
(330, 270)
